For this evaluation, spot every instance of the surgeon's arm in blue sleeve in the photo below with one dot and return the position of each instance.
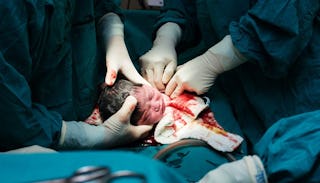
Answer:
(26, 123)
(103, 7)
(274, 34)
(23, 122)
(182, 13)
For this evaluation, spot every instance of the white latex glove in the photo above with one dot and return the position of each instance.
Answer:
(159, 64)
(249, 169)
(120, 127)
(117, 56)
(115, 131)
(199, 74)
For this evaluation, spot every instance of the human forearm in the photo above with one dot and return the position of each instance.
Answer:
(168, 34)
(230, 56)
(110, 25)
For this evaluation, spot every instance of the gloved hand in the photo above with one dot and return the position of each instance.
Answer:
(249, 169)
(199, 74)
(115, 131)
(117, 56)
(159, 64)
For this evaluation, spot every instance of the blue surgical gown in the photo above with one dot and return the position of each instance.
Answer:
(49, 67)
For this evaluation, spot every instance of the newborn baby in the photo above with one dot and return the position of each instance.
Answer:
(186, 116)
(149, 110)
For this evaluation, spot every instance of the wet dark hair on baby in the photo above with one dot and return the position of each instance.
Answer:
(112, 98)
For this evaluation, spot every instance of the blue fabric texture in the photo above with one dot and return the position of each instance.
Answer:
(290, 150)
(37, 167)
(46, 75)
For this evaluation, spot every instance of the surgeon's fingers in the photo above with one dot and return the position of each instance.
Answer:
(124, 113)
(150, 79)
(133, 75)
(177, 91)
(171, 86)
(179, 67)
(143, 73)
(111, 75)
(158, 73)
(168, 72)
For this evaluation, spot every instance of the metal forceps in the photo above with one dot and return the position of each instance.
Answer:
(96, 174)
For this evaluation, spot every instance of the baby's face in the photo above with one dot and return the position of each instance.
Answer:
(151, 105)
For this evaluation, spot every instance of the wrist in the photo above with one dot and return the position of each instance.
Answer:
(168, 34)
(212, 62)
(116, 42)
(164, 42)
(228, 56)
(116, 49)
(110, 25)
(80, 135)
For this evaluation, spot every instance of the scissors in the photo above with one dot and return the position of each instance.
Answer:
(93, 174)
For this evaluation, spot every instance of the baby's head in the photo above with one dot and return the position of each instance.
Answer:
(150, 107)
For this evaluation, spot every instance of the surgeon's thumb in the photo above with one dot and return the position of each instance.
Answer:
(111, 76)
(126, 110)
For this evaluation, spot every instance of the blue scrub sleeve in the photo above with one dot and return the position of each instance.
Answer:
(274, 33)
(106, 6)
(183, 13)
(23, 122)
(290, 149)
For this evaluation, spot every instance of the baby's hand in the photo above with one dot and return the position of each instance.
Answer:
(94, 118)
